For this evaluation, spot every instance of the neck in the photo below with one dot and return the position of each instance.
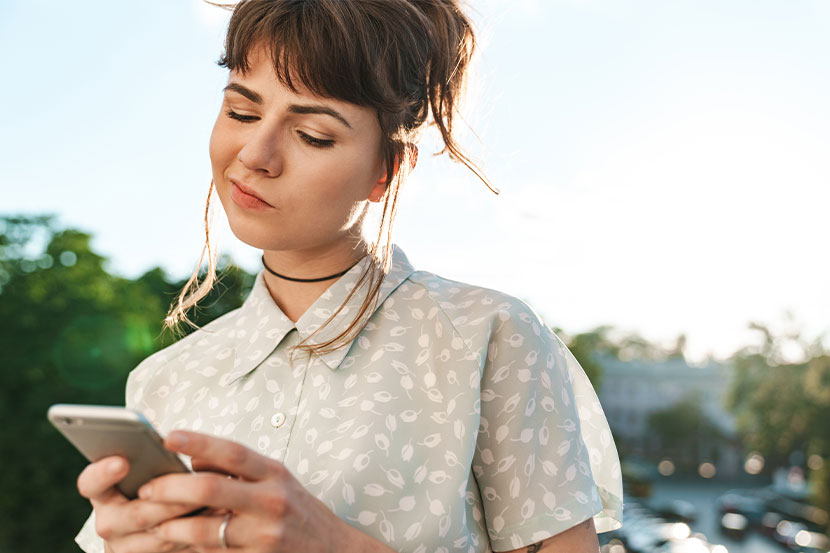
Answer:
(294, 298)
(308, 280)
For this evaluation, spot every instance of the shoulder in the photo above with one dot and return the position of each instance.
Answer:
(214, 336)
(477, 312)
(461, 297)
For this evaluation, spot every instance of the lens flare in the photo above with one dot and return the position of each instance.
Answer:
(706, 470)
(665, 467)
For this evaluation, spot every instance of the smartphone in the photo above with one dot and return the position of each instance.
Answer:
(99, 431)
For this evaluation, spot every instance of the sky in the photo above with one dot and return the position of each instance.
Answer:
(663, 164)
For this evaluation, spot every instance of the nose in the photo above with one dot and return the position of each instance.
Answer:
(262, 152)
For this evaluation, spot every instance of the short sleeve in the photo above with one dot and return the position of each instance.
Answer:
(87, 539)
(545, 459)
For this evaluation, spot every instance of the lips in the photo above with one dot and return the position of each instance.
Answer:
(251, 194)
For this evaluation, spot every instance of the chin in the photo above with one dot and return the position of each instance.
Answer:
(249, 230)
(255, 235)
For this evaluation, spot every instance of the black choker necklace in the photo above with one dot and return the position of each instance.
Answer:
(273, 272)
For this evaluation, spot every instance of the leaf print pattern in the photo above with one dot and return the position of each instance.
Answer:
(456, 421)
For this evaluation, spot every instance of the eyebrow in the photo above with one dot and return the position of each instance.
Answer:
(293, 108)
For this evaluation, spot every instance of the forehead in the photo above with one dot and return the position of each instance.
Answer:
(263, 79)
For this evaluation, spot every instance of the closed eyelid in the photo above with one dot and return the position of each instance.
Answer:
(310, 131)
(306, 137)
(300, 109)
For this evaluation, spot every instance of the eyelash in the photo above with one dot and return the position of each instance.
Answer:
(310, 140)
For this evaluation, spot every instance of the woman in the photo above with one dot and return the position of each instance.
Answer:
(353, 402)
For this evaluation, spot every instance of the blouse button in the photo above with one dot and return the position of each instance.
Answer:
(277, 419)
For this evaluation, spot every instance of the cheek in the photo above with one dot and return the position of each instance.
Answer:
(347, 178)
(220, 147)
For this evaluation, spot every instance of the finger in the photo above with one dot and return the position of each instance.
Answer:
(205, 532)
(226, 456)
(117, 521)
(205, 465)
(97, 481)
(203, 489)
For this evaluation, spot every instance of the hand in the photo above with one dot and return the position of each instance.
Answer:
(121, 522)
(271, 511)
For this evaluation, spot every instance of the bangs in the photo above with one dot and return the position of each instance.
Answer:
(406, 60)
(334, 48)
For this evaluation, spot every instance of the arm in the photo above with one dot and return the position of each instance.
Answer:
(537, 415)
(582, 538)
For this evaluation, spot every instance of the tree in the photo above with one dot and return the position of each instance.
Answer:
(683, 429)
(584, 348)
(71, 333)
(62, 343)
(783, 405)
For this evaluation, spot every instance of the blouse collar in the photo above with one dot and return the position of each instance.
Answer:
(261, 324)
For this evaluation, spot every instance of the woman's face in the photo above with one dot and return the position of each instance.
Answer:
(293, 170)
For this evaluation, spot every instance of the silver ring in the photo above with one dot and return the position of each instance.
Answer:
(223, 530)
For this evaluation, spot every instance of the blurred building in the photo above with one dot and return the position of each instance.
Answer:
(632, 390)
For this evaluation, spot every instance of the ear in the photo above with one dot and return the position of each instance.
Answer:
(413, 160)
(378, 190)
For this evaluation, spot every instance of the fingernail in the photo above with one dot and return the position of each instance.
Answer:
(145, 491)
(115, 466)
(177, 439)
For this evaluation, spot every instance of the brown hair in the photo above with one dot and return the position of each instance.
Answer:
(406, 59)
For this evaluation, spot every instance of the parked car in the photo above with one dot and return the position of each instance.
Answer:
(769, 523)
(650, 537)
(677, 510)
(692, 544)
(786, 530)
(797, 510)
(810, 542)
(734, 525)
(640, 525)
(751, 504)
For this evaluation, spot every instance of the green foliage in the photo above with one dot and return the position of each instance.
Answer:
(583, 347)
(782, 405)
(684, 431)
(228, 293)
(71, 332)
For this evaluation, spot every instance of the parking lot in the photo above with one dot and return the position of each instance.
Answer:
(703, 533)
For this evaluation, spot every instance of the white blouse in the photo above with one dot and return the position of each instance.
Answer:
(456, 420)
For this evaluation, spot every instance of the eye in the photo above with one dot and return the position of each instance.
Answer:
(316, 142)
(307, 138)
(239, 117)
